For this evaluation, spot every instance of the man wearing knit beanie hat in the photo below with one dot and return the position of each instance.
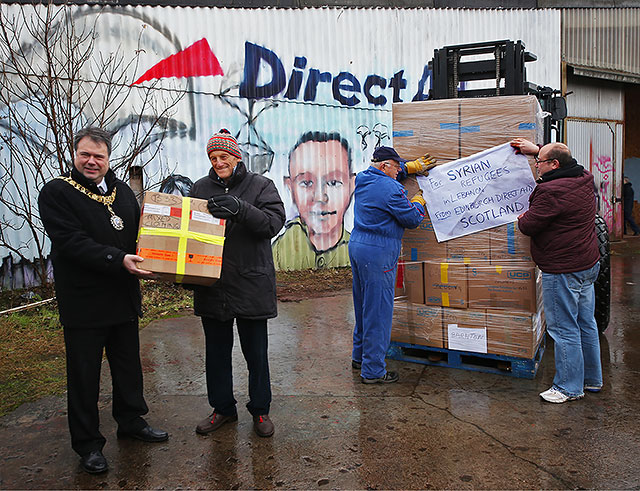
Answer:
(254, 214)
(223, 141)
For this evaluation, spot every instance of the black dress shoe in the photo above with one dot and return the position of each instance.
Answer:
(94, 462)
(146, 434)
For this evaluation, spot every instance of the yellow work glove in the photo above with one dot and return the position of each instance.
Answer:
(417, 198)
(421, 166)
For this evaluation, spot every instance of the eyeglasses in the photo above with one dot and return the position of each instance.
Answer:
(542, 161)
(391, 163)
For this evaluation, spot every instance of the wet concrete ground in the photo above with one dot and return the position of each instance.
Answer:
(436, 428)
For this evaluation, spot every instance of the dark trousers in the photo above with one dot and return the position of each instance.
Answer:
(84, 348)
(628, 217)
(219, 344)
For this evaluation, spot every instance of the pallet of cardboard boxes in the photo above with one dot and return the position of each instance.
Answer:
(479, 293)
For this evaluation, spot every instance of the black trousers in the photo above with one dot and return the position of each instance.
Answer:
(219, 344)
(628, 217)
(84, 348)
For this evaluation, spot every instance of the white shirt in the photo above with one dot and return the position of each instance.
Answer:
(102, 186)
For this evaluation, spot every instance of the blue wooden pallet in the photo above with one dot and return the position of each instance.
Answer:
(478, 362)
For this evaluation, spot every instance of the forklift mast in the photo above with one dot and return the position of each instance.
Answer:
(494, 68)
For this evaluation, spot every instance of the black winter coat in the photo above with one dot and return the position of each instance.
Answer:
(92, 287)
(247, 284)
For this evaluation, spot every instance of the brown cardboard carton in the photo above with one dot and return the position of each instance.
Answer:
(417, 127)
(497, 122)
(465, 329)
(505, 287)
(414, 282)
(471, 248)
(420, 244)
(450, 129)
(445, 284)
(509, 245)
(417, 324)
(179, 239)
(514, 334)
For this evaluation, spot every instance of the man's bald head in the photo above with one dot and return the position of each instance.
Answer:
(558, 151)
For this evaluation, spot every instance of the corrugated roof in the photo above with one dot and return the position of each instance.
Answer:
(603, 40)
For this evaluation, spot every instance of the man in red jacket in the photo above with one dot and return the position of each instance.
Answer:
(561, 224)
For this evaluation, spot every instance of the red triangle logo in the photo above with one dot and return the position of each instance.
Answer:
(197, 60)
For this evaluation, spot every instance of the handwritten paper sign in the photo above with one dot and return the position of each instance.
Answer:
(467, 339)
(477, 193)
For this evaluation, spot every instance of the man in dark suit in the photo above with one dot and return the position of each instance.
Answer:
(92, 220)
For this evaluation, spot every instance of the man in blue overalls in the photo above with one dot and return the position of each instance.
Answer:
(382, 212)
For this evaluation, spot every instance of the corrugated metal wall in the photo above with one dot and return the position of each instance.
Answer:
(595, 131)
(602, 39)
(289, 73)
(597, 145)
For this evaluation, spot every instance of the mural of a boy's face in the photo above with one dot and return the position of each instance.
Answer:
(321, 186)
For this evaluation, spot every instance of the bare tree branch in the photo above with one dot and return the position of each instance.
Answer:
(54, 81)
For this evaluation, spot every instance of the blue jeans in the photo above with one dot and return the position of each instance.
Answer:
(569, 302)
(374, 275)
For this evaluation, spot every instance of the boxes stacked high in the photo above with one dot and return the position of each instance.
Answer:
(180, 240)
(485, 285)
(450, 129)
(420, 244)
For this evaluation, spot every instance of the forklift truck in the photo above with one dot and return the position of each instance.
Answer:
(497, 68)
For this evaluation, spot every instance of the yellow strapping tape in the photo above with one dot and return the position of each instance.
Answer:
(170, 232)
(445, 299)
(444, 272)
(184, 230)
(183, 234)
(499, 269)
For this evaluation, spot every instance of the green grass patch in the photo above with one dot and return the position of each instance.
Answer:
(33, 365)
(32, 341)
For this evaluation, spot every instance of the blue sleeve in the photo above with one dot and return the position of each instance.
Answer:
(403, 174)
(408, 214)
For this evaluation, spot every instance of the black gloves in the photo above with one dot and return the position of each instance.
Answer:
(224, 206)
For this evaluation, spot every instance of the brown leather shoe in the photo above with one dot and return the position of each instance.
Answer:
(263, 425)
(213, 422)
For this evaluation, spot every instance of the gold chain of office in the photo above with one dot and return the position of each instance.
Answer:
(116, 221)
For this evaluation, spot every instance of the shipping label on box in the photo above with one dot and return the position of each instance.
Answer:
(470, 248)
(417, 324)
(502, 287)
(179, 239)
(509, 245)
(445, 284)
(465, 330)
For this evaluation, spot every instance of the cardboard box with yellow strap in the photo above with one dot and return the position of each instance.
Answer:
(180, 240)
